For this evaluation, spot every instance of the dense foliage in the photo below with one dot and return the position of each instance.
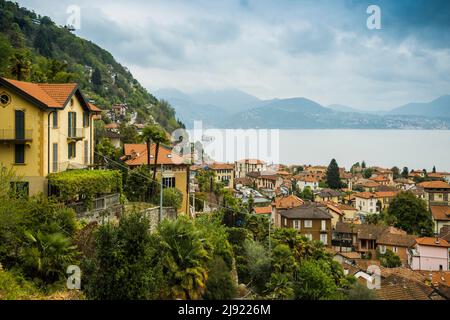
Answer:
(333, 178)
(410, 214)
(33, 48)
(72, 185)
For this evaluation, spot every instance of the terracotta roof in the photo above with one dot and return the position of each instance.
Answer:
(350, 255)
(431, 241)
(441, 277)
(435, 185)
(221, 166)
(251, 161)
(400, 240)
(53, 95)
(445, 233)
(286, 202)
(365, 195)
(379, 178)
(386, 194)
(334, 208)
(139, 151)
(308, 179)
(263, 210)
(441, 213)
(396, 287)
(93, 107)
(129, 148)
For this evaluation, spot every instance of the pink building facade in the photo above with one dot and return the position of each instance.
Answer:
(429, 254)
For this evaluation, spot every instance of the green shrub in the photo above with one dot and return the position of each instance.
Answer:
(220, 285)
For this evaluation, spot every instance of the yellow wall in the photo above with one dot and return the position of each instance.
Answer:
(227, 174)
(35, 168)
(181, 182)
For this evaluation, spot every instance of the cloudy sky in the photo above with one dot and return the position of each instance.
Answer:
(317, 49)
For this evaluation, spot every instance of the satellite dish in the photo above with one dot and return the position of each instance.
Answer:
(284, 191)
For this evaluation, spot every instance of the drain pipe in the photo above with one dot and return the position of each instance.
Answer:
(48, 149)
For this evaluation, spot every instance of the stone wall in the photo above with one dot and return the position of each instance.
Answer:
(153, 215)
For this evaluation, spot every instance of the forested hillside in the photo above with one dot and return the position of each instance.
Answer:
(33, 48)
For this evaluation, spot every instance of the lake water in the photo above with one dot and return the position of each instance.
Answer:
(386, 148)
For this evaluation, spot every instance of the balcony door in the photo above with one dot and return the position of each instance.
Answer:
(20, 124)
(72, 125)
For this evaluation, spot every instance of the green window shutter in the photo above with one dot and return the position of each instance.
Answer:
(19, 153)
(20, 124)
(70, 125)
(55, 119)
(55, 157)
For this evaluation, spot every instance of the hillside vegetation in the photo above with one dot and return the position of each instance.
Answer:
(33, 48)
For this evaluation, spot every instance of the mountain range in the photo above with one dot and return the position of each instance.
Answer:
(232, 108)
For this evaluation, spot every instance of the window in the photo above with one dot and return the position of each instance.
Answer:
(382, 249)
(308, 236)
(285, 222)
(323, 238)
(19, 154)
(86, 152)
(55, 157)
(72, 125)
(168, 182)
(324, 225)
(72, 150)
(5, 99)
(20, 188)
(308, 223)
(297, 224)
(394, 249)
(20, 124)
(55, 119)
(85, 119)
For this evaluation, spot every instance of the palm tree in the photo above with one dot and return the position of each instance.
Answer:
(146, 136)
(159, 137)
(156, 134)
(185, 256)
(20, 65)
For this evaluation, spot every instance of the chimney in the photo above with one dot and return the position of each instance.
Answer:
(436, 240)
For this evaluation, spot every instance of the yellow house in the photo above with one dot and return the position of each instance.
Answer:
(224, 173)
(175, 173)
(44, 128)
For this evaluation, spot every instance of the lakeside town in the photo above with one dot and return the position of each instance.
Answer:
(103, 196)
(62, 146)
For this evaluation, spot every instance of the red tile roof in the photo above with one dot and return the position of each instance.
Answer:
(251, 161)
(52, 95)
(435, 185)
(221, 166)
(93, 107)
(435, 242)
(286, 202)
(365, 195)
(441, 213)
(386, 194)
(263, 210)
(138, 154)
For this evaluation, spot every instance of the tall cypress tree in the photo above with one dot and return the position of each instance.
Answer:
(333, 179)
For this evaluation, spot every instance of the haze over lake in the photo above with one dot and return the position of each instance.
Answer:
(415, 149)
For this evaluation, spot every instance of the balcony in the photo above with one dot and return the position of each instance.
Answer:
(17, 137)
(75, 134)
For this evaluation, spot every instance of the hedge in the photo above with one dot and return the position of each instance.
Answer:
(85, 183)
